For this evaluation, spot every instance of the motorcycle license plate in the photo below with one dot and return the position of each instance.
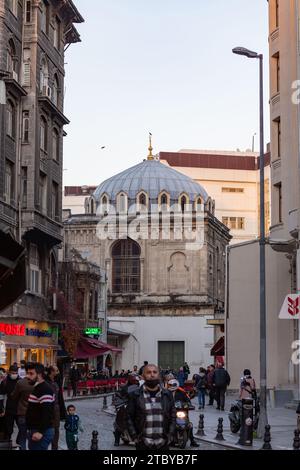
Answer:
(180, 421)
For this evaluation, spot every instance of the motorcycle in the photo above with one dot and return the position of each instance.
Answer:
(235, 415)
(182, 424)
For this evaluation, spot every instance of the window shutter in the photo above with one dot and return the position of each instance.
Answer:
(26, 74)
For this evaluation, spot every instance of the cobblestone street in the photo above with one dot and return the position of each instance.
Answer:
(94, 419)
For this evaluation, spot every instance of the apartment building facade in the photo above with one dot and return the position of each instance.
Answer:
(34, 36)
(232, 180)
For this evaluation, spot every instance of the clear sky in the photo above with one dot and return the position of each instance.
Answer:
(163, 66)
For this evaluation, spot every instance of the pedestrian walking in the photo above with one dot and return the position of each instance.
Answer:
(210, 384)
(201, 387)
(151, 413)
(72, 426)
(9, 412)
(74, 378)
(20, 395)
(40, 410)
(181, 377)
(186, 371)
(221, 380)
(52, 374)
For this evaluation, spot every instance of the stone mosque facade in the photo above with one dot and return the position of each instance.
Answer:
(164, 289)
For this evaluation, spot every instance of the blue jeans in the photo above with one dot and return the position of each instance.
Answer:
(22, 434)
(201, 397)
(44, 443)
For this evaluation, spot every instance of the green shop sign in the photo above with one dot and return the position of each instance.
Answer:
(93, 331)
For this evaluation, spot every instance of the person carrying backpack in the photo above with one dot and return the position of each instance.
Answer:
(201, 386)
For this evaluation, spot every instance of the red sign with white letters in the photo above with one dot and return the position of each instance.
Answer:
(12, 330)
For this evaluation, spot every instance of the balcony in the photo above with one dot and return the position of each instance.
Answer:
(50, 107)
(13, 86)
(42, 226)
(294, 223)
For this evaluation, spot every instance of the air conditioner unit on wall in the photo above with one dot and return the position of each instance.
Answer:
(47, 91)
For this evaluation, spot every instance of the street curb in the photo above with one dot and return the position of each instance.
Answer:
(87, 397)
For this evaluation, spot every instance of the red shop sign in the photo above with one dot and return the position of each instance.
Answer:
(12, 330)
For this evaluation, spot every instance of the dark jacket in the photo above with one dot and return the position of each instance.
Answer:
(7, 387)
(20, 395)
(221, 378)
(40, 410)
(201, 382)
(74, 375)
(136, 412)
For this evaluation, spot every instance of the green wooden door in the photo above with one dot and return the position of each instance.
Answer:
(170, 354)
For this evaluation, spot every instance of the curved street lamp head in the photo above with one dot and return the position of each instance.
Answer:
(245, 52)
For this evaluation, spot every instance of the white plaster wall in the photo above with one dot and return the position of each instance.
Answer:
(142, 345)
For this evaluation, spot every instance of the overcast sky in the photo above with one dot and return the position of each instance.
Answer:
(163, 66)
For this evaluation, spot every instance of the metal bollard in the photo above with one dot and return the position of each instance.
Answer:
(113, 399)
(246, 432)
(200, 431)
(296, 443)
(94, 443)
(104, 407)
(267, 438)
(219, 436)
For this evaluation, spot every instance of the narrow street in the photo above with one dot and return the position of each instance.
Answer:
(94, 419)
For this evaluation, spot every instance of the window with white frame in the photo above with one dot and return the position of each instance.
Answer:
(25, 127)
(44, 78)
(35, 271)
(28, 11)
(43, 193)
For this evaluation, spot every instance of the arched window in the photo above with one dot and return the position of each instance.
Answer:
(183, 201)
(142, 201)
(12, 63)
(126, 266)
(44, 78)
(198, 204)
(43, 135)
(55, 145)
(11, 119)
(163, 201)
(122, 203)
(92, 206)
(55, 91)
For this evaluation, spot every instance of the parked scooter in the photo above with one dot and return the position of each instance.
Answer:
(235, 415)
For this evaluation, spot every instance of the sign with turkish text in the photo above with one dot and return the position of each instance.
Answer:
(93, 331)
(290, 309)
(12, 330)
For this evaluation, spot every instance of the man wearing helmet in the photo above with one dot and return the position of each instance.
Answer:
(180, 395)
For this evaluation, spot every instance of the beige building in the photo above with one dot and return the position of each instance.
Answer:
(232, 180)
(76, 198)
(281, 278)
(164, 291)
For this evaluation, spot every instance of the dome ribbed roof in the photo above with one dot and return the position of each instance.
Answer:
(153, 177)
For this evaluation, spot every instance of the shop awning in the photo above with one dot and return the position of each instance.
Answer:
(113, 332)
(88, 347)
(12, 269)
(219, 348)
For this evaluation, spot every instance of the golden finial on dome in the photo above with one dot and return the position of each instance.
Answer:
(150, 148)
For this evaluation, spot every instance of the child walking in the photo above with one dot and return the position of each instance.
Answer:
(72, 426)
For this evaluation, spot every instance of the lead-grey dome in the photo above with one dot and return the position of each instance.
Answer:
(152, 177)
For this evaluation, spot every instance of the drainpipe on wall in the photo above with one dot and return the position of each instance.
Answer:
(227, 251)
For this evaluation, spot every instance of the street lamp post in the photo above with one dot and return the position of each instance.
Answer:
(263, 418)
